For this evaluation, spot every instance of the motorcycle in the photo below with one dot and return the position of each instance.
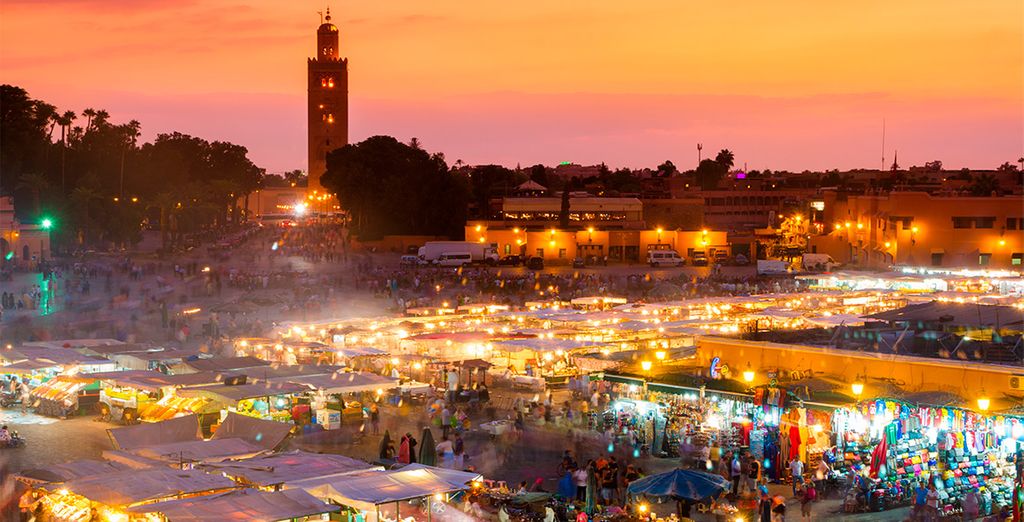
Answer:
(9, 398)
(15, 442)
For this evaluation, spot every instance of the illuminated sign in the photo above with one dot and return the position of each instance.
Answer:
(714, 370)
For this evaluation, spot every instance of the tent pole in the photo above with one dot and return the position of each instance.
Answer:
(430, 507)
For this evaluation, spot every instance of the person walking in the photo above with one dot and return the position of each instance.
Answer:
(796, 470)
(375, 418)
(735, 473)
(810, 494)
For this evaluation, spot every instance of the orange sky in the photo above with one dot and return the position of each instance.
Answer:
(789, 84)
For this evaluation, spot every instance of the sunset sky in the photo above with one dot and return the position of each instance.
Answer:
(786, 85)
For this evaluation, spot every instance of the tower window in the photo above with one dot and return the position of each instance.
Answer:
(330, 118)
(327, 81)
(328, 51)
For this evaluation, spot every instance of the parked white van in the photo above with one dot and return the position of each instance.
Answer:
(455, 259)
(664, 258)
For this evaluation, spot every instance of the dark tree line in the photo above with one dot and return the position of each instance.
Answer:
(389, 187)
(100, 186)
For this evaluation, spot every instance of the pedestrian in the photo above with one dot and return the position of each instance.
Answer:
(796, 470)
(765, 507)
(580, 478)
(970, 505)
(375, 418)
(736, 468)
(753, 473)
(810, 494)
(932, 500)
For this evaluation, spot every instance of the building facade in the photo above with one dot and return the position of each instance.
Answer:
(598, 228)
(921, 229)
(327, 101)
(21, 244)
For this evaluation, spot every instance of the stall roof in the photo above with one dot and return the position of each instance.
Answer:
(220, 364)
(382, 487)
(955, 314)
(279, 468)
(119, 349)
(56, 356)
(266, 434)
(139, 379)
(544, 345)
(125, 488)
(198, 450)
(247, 504)
(345, 382)
(74, 343)
(69, 471)
(232, 394)
(178, 429)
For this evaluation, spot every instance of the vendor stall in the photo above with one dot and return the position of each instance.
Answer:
(415, 491)
(896, 445)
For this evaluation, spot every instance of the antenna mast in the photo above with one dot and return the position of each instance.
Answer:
(883, 144)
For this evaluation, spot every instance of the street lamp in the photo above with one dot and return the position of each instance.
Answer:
(47, 223)
(984, 403)
(857, 388)
(748, 374)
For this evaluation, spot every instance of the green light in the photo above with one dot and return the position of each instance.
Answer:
(47, 224)
(9, 256)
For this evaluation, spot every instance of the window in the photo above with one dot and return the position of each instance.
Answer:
(561, 253)
(936, 259)
(905, 220)
(508, 248)
(327, 81)
(985, 222)
(540, 252)
(963, 222)
(1017, 258)
(983, 259)
(1011, 223)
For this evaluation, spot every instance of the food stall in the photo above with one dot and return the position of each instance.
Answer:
(111, 495)
(413, 492)
(65, 395)
(262, 400)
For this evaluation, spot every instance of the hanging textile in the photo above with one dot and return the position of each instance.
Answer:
(878, 457)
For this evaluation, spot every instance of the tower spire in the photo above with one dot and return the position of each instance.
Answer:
(328, 18)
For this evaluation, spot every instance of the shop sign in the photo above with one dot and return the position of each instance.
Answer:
(713, 371)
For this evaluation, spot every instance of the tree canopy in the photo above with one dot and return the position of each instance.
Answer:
(95, 178)
(389, 187)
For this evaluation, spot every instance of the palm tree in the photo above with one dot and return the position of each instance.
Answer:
(35, 183)
(130, 136)
(82, 199)
(90, 114)
(165, 201)
(64, 120)
(725, 158)
(415, 143)
(984, 185)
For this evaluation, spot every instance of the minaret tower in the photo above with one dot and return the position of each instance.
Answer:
(327, 126)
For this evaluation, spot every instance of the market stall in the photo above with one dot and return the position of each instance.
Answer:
(292, 505)
(379, 496)
(110, 495)
(896, 445)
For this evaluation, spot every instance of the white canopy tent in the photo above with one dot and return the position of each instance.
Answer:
(246, 504)
(368, 491)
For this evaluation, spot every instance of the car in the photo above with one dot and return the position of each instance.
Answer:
(578, 263)
(455, 259)
(741, 260)
(408, 260)
(657, 258)
(535, 263)
(511, 260)
(700, 259)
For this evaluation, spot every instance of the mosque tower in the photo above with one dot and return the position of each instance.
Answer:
(327, 126)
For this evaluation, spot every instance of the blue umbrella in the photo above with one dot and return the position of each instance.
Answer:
(680, 484)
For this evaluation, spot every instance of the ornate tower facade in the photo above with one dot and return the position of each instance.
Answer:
(327, 98)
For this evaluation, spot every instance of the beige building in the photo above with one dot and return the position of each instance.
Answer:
(598, 227)
(921, 229)
(21, 243)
